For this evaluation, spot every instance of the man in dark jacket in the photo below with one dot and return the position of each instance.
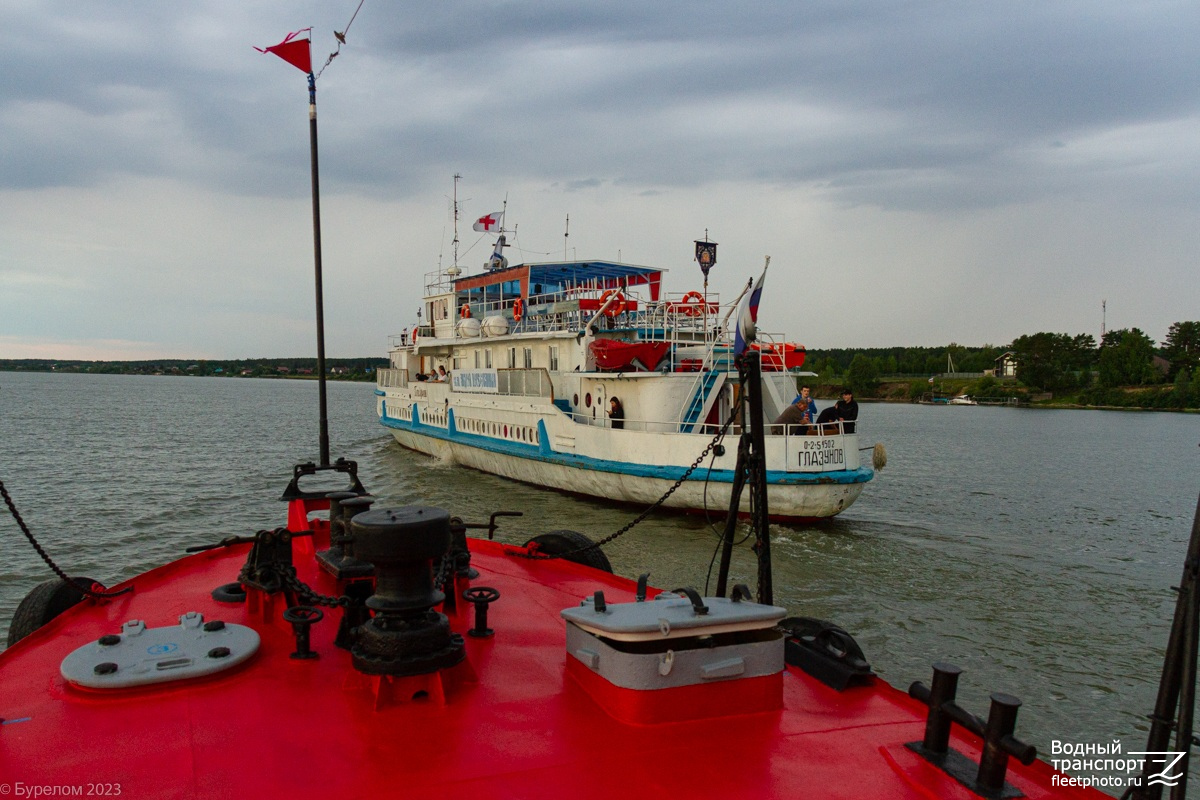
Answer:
(847, 410)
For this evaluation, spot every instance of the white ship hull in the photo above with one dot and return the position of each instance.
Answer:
(809, 502)
(540, 445)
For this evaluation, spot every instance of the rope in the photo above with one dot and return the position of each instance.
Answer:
(641, 517)
(46, 557)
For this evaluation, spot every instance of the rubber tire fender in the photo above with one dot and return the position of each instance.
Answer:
(559, 542)
(43, 603)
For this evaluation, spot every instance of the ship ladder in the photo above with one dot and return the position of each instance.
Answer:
(700, 400)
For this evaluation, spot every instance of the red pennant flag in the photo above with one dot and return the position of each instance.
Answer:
(294, 51)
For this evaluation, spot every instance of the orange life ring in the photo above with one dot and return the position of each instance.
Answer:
(615, 309)
(693, 304)
(518, 310)
(465, 311)
(414, 336)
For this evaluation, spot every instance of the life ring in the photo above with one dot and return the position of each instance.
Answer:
(518, 310)
(693, 304)
(414, 336)
(616, 308)
(465, 311)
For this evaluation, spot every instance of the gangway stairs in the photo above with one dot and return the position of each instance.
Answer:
(700, 400)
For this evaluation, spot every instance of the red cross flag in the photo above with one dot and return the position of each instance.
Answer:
(491, 222)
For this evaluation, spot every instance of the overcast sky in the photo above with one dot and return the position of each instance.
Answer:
(919, 172)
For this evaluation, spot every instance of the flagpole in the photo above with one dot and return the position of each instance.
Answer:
(316, 209)
(316, 250)
(298, 53)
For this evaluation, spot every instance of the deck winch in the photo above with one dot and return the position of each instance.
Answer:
(677, 657)
(405, 636)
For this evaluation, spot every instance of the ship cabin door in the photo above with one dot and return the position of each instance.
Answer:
(600, 406)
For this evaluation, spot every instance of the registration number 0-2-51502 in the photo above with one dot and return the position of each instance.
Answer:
(821, 452)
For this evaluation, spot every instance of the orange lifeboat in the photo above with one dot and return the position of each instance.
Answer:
(780, 356)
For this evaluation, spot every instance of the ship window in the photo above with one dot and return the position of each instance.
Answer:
(476, 359)
(554, 358)
(575, 401)
(528, 354)
(587, 399)
(487, 358)
(512, 358)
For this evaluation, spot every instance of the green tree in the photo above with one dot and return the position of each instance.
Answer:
(863, 376)
(1182, 347)
(826, 368)
(1182, 388)
(1126, 358)
(1052, 361)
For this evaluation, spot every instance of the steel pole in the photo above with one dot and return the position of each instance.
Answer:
(316, 208)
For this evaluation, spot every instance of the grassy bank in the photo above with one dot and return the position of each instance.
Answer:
(1164, 397)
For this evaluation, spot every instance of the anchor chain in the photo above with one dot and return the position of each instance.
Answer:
(645, 514)
(46, 556)
(309, 595)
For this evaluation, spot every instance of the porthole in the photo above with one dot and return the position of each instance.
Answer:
(587, 399)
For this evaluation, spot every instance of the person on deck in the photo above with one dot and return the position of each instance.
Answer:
(807, 402)
(616, 413)
(442, 377)
(795, 419)
(845, 410)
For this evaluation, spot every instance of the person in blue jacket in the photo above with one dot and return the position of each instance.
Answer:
(806, 402)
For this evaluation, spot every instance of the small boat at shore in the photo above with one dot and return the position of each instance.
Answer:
(962, 400)
(538, 353)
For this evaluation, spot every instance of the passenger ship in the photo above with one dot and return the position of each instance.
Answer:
(534, 354)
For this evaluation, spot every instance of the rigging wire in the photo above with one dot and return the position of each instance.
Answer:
(341, 38)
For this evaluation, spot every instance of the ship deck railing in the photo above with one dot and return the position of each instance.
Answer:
(561, 311)
(532, 382)
(802, 431)
(391, 378)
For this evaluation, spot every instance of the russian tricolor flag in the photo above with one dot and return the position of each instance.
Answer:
(747, 315)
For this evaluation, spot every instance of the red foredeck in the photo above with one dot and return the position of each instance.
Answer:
(512, 724)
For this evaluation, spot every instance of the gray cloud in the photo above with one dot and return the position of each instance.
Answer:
(973, 121)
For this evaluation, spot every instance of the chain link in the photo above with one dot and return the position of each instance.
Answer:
(642, 517)
(87, 590)
(309, 595)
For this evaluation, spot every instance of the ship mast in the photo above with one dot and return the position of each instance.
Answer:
(457, 178)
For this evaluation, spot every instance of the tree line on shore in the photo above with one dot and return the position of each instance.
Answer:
(347, 369)
(1125, 369)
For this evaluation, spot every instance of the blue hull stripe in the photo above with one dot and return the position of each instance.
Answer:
(542, 452)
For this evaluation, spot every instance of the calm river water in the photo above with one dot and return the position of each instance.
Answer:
(1033, 548)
